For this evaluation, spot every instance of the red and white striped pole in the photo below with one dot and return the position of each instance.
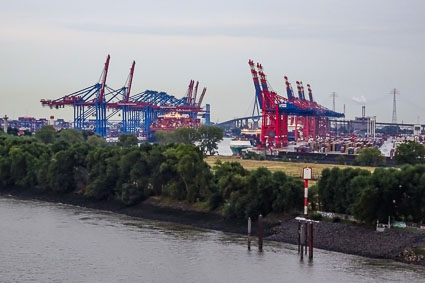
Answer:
(307, 173)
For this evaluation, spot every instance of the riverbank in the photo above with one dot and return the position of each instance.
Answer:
(395, 244)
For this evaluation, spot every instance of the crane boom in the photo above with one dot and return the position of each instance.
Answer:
(189, 92)
(256, 83)
(130, 80)
(302, 90)
(289, 91)
(202, 96)
(300, 94)
(310, 93)
(195, 94)
(105, 73)
(263, 79)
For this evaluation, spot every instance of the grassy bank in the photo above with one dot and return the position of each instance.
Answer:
(290, 168)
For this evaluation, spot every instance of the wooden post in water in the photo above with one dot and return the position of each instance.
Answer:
(249, 233)
(310, 242)
(299, 236)
(260, 233)
(305, 236)
(302, 234)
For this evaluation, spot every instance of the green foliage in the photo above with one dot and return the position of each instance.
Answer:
(370, 197)
(129, 174)
(370, 156)
(71, 136)
(127, 140)
(192, 174)
(315, 216)
(181, 135)
(335, 190)
(164, 137)
(209, 137)
(46, 134)
(313, 196)
(410, 153)
(60, 175)
(96, 140)
(245, 193)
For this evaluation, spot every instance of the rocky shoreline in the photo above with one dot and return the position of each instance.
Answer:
(395, 244)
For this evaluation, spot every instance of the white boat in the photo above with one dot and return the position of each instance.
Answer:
(236, 145)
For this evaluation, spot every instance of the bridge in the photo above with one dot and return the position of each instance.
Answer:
(252, 122)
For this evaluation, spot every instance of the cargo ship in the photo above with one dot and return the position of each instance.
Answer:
(236, 145)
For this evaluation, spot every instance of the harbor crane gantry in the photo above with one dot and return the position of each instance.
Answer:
(276, 110)
(137, 111)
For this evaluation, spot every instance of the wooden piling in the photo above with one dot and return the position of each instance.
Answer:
(310, 242)
(249, 233)
(305, 236)
(260, 233)
(302, 234)
(299, 236)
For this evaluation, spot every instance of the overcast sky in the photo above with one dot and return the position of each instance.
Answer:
(359, 49)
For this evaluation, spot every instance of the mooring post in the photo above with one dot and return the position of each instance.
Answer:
(310, 242)
(260, 233)
(305, 237)
(302, 234)
(299, 235)
(249, 233)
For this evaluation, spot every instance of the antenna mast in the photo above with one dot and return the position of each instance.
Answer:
(394, 92)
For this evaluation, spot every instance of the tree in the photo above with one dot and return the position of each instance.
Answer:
(164, 137)
(46, 134)
(335, 191)
(61, 171)
(71, 136)
(103, 168)
(209, 137)
(370, 156)
(185, 135)
(189, 176)
(380, 197)
(180, 135)
(96, 140)
(127, 140)
(288, 193)
(410, 153)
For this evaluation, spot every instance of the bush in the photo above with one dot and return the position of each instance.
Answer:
(315, 216)
(370, 156)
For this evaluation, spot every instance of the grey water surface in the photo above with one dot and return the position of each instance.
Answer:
(45, 242)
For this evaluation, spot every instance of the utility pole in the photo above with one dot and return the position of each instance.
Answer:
(333, 95)
(394, 92)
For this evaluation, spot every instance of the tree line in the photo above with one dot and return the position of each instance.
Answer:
(71, 161)
(77, 162)
(399, 193)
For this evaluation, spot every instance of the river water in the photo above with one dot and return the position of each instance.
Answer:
(44, 242)
(223, 147)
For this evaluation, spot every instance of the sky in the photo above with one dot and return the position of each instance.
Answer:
(359, 49)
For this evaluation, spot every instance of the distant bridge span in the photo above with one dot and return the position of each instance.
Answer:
(240, 122)
(243, 122)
